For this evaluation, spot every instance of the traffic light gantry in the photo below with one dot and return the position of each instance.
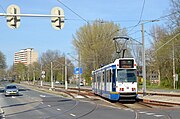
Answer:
(13, 17)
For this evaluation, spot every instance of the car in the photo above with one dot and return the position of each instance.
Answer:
(57, 82)
(81, 84)
(11, 90)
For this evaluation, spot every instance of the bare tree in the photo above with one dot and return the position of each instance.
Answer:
(58, 64)
(174, 18)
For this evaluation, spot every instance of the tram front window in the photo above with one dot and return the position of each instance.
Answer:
(126, 75)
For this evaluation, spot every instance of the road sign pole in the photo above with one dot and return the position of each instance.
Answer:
(52, 83)
(79, 65)
(42, 76)
(65, 73)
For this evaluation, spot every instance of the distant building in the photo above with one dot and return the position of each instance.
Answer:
(26, 56)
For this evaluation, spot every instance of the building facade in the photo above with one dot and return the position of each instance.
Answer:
(26, 56)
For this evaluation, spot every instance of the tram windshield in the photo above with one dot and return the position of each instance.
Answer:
(126, 75)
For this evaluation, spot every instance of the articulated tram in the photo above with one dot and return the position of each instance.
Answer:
(116, 81)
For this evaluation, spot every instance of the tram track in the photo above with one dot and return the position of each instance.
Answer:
(147, 93)
(146, 103)
(75, 106)
(142, 104)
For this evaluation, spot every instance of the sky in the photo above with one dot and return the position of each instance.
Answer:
(38, 33)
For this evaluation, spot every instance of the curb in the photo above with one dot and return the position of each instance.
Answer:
(158, 101)
(2, 116)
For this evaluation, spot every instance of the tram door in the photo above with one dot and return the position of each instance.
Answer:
(114, 80)
(102, 82)
(105, 81)
(98, 83)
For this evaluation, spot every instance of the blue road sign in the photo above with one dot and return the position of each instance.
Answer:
(76, 70)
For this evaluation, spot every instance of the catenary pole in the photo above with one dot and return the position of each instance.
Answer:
(143, 61)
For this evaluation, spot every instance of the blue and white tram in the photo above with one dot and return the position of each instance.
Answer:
(116, 81)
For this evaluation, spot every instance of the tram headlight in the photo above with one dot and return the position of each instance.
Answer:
(121, 89)
(133, 89)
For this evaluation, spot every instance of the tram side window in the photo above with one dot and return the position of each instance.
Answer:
(98, 78)
(94, 78)
(103, 77)
(109, 76)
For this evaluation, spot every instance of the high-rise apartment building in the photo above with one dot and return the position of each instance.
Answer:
(26, 56)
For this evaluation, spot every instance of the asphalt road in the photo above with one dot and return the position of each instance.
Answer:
(37, 105)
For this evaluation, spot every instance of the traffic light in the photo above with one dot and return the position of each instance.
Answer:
(13, 21)
(57, 22)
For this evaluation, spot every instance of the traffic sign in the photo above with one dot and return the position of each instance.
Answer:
(13, 21)
(43, 72)
(43, 76)
(76, 70)
(176, 77)
(57, 22)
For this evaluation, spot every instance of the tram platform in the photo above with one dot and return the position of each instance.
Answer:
(171, 97)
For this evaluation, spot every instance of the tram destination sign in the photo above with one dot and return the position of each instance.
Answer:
(126, 63)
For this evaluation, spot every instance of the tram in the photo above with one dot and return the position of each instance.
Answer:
(116, 81)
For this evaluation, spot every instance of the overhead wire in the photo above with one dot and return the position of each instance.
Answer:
(154, 20)
(2, 8)
(167, 42)
(73, 11)
(132, 27)
(142, 10)
(134, 32)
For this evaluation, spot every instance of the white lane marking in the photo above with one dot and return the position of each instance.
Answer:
(127, 109)
(13, 97)
(2, 111)
(142, 112)
(158, 115)
(73, 115)
(136, 115)
(131, 110)
(42, 96)
(49, 105)
(150, 113)
(41, 102)
(79, 96)
(58, 109)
